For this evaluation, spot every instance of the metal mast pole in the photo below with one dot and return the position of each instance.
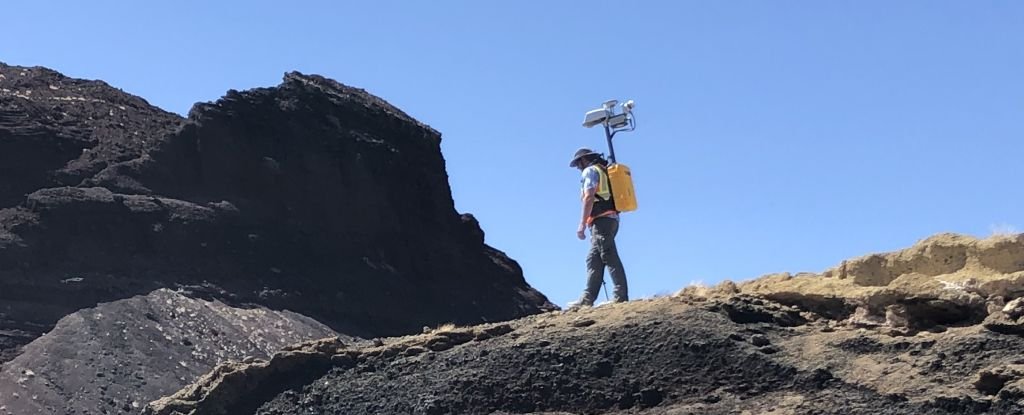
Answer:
(611, 149)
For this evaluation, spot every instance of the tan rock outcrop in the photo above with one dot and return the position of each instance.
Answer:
(944, 279)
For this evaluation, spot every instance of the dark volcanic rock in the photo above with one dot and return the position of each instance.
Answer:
(717, 351)
(310, 196)
(658, 357)
(118, 356)
(56, 130)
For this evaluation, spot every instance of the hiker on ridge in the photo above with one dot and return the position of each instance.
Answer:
(600, 216)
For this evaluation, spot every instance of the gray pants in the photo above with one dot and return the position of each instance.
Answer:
(604, 254)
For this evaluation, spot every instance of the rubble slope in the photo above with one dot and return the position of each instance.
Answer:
(116, 357)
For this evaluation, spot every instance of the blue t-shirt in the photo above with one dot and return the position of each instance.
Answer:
(591, 178)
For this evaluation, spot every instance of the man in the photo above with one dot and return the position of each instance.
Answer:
(600, 216)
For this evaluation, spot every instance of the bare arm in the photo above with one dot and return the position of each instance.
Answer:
(588, 198)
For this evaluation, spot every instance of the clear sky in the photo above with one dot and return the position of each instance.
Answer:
(772, 136)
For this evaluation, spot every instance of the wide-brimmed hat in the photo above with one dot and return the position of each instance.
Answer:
(580, 154)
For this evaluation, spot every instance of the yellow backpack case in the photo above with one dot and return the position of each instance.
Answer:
(621, 181)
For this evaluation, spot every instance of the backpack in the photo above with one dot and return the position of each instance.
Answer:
(620, 181)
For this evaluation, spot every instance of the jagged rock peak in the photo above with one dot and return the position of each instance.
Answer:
(310, 196)
(302, 89)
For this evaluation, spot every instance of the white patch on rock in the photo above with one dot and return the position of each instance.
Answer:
(1015, 308)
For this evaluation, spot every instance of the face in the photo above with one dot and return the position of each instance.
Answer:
(584, 162)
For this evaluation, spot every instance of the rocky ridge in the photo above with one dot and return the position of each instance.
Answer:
(725, 350)
(947, 280)
(58, 131)
(273, 215)
(310, 196)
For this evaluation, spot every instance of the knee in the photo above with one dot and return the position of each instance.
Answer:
(609, 253)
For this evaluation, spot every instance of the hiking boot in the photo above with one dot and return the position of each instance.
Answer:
(578, 304)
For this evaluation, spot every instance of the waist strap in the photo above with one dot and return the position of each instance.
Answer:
(590, 220)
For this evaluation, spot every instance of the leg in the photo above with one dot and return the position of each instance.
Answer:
(605, 230)
(595, 273)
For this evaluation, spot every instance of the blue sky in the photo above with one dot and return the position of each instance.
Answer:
(772, 136)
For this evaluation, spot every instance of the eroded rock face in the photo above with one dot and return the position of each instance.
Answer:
(943, 280)
(118, 356)
(56, 130)
(310, 196)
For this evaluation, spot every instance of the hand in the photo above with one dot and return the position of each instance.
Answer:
(581, 232)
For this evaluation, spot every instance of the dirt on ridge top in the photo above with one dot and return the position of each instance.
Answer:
(741, 355)
(938, 346)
